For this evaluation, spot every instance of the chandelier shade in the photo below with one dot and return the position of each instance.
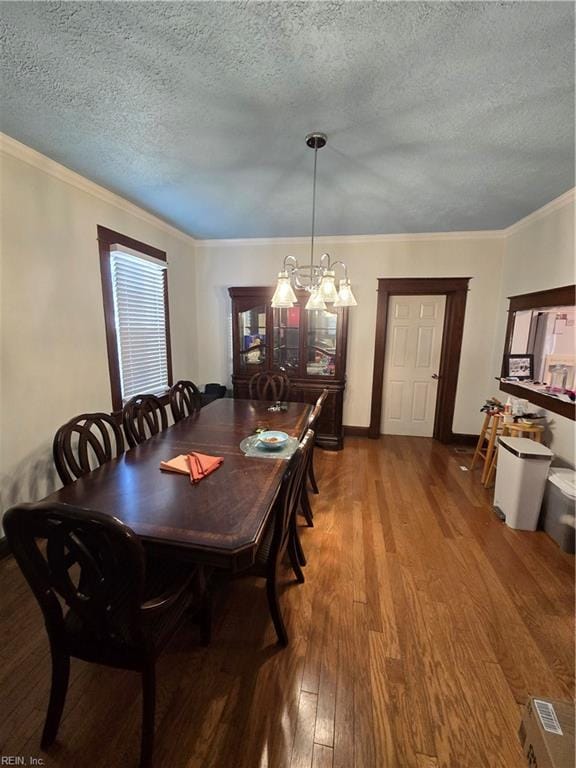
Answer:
(345, 295)
(327, 287)
(284, 295)
(315, 301)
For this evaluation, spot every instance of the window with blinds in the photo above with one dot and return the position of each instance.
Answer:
(138, 287)
(135, 296)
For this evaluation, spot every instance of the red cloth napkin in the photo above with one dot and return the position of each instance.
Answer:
(201, 465)
(196, 465)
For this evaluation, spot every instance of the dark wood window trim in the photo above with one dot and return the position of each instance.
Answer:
(107, 238)
(565, 296)
(455, 289)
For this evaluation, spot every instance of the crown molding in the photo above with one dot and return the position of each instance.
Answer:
(485, 234)
(13, 148)
(567, 198)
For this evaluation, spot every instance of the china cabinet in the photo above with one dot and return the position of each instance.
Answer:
(309, 346)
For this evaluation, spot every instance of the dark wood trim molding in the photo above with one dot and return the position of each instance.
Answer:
(565, 296)
(549, 402)
(4, 548)
(455, 289)
(107, 238)
(110, 237)
(350, 431)
(462, 438)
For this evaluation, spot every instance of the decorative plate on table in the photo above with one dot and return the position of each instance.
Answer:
(272, 440)
(283, 448)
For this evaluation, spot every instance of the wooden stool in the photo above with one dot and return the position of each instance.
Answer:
(489, 432)
(533, 432)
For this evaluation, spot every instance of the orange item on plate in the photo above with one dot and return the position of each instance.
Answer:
(196, 465)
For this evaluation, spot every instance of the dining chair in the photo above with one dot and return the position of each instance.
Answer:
(313, 425)
(185, 399)
(102, 599)
(142, 417)
(281, 536)
(269, 386)
(84, 443)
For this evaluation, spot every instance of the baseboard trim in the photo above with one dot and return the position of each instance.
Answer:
(463, 439)
(459, 438)
(357, 431)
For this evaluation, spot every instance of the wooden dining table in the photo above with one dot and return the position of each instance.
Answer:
(218, 521)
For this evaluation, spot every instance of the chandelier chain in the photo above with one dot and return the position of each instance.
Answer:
(313, 215)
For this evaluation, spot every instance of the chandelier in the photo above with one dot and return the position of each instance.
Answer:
(318, 279)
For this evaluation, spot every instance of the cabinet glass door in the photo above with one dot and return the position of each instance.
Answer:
(321, 343)
(287, 339)
(252, 334)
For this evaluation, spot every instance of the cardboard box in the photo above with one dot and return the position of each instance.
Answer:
(547, 733)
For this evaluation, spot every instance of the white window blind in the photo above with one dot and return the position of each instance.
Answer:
(138, 287)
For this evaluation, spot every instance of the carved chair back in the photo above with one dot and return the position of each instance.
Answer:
(84, 443)
(142, 417)
(83, 561)
(185, 399)
(269, 386)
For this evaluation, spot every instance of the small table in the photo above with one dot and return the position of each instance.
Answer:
(534, 432)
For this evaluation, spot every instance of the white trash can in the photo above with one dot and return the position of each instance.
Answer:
(520, 481)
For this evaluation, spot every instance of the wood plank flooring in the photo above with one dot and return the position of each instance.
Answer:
(422, 628)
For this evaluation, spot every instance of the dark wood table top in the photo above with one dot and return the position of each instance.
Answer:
(218, 521)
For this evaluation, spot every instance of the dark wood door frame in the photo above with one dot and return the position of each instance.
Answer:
(455, 289)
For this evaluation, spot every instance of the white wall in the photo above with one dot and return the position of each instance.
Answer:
(53, 347)
(540, 255)
(220, 264)
(53, 361)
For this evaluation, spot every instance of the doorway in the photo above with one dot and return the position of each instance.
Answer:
(454, 290)
(411, 365)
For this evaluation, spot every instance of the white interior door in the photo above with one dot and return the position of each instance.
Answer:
(412, 360)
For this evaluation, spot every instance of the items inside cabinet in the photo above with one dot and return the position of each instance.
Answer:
(309, 346)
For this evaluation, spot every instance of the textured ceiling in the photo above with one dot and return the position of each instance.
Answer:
(440, 116)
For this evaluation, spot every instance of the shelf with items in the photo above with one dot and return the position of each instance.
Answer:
(539, 361)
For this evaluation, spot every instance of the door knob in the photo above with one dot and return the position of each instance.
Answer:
(435, 376)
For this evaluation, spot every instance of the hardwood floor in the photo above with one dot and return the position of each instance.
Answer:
(422, 628)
